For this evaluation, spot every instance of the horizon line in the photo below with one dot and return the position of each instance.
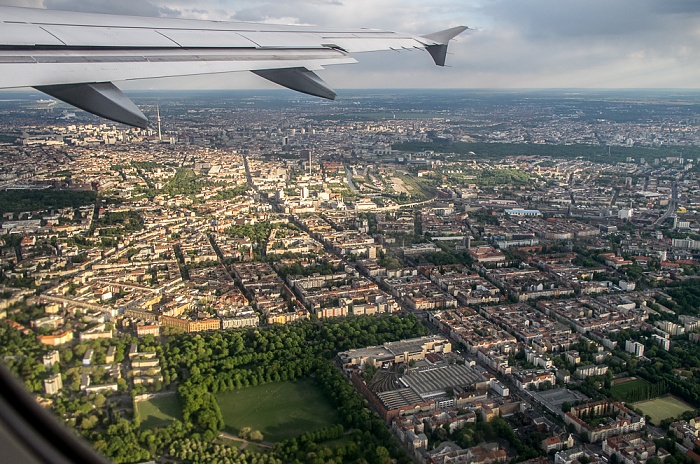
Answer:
(490, 89)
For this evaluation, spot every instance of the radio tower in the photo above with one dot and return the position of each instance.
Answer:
(160, 136)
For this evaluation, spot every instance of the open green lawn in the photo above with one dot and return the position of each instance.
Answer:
(662, 408)
(626, 389)
(279, 410)
(159, 411)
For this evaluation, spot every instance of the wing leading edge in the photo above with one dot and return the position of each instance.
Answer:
(74, 57)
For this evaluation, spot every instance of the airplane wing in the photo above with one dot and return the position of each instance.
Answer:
(75, 57)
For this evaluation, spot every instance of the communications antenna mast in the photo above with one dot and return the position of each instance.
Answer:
(160, 135)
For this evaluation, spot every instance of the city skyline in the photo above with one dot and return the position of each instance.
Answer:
(549, 240)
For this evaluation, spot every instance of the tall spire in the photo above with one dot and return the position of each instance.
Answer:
(160, 135)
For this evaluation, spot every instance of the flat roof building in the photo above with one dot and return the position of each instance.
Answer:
(435, 381)
(403, 351)
(523, 212)
(53, 384)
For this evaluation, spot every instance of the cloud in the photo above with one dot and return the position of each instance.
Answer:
(23, 3)
(592, 43)
(135, 8)
(677, 7)
(407, 15)
(538, 43)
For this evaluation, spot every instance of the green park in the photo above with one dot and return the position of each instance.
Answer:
(279, 410)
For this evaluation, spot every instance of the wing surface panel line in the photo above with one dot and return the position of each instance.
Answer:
(168, 38)
(53, 35)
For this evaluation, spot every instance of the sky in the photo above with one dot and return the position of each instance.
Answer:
(512, 44)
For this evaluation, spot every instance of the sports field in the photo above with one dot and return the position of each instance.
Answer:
(279, 410)
(159, 411)
(662, 408)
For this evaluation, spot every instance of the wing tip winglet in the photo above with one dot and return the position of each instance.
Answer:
(440, 39)
(444, 36)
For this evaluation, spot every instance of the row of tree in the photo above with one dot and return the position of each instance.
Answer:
(16, 201)
(485, 150)
(644, 391)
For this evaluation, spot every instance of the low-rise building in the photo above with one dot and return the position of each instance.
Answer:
(621, 420)
(147, 329)
(528, 380)
(87, 358)
(56, 339)
(550, 444)
(575, 455)
(111, 353)
(241, 320)
(630, 448)
(402, 351)
(449, 452)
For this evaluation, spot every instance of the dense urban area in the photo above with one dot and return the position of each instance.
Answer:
(399, 276)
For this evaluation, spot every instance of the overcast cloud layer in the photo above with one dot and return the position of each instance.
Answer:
(515, 44)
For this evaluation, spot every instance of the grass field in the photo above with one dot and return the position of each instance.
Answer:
(159, 411)
(662, 408)
(279, 410)
(624, 389)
